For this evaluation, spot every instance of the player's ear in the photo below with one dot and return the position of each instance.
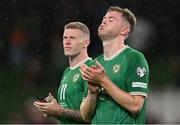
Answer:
(86, 43)
(125, 30)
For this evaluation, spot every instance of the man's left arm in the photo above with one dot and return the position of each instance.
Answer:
(52, 108)
(133, 103)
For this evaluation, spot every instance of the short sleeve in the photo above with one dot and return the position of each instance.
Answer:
(138, 75)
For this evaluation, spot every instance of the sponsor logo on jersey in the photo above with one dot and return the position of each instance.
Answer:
(116, 68)
(141, 71)
(76, 77)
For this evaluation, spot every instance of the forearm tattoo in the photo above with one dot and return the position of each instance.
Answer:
(74, 115)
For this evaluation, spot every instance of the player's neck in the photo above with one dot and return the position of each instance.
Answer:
(73, 61)
(112, 47)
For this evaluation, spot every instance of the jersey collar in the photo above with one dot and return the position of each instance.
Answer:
(116, 54)
(80, 63)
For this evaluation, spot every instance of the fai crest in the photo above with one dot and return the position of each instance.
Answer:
(76, 77)
(116, 68)
(141, 71)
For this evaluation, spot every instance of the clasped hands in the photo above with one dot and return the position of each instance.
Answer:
(95, 75)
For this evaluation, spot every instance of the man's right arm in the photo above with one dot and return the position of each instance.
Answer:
(52, 108)
(88, 106)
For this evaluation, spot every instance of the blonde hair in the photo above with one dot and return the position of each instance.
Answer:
(78, 25)
(127, 14)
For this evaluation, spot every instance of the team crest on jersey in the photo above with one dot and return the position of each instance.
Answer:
(116, 68)
(76, 77)
(141, 71)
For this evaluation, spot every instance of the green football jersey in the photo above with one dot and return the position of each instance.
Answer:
(72, 89)
(129, 70)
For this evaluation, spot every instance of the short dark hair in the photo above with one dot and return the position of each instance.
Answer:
(129, 16)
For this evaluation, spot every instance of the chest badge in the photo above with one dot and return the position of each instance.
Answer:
(116, 68)
(76, 77)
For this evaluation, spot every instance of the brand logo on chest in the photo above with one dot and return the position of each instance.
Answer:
(76, 77)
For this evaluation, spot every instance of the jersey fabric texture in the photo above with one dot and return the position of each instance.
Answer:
(72, 89)
(129, 70)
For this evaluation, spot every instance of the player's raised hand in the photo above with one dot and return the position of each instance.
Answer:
(100, 67)
(92, 86)
(86, 71)
(93, 75)
(51, 108)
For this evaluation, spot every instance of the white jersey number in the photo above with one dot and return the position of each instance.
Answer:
(63, 91)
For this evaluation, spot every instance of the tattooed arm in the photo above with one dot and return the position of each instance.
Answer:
(52, 108)
(74, 115)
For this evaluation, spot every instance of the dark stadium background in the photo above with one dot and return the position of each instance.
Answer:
(32, 60)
